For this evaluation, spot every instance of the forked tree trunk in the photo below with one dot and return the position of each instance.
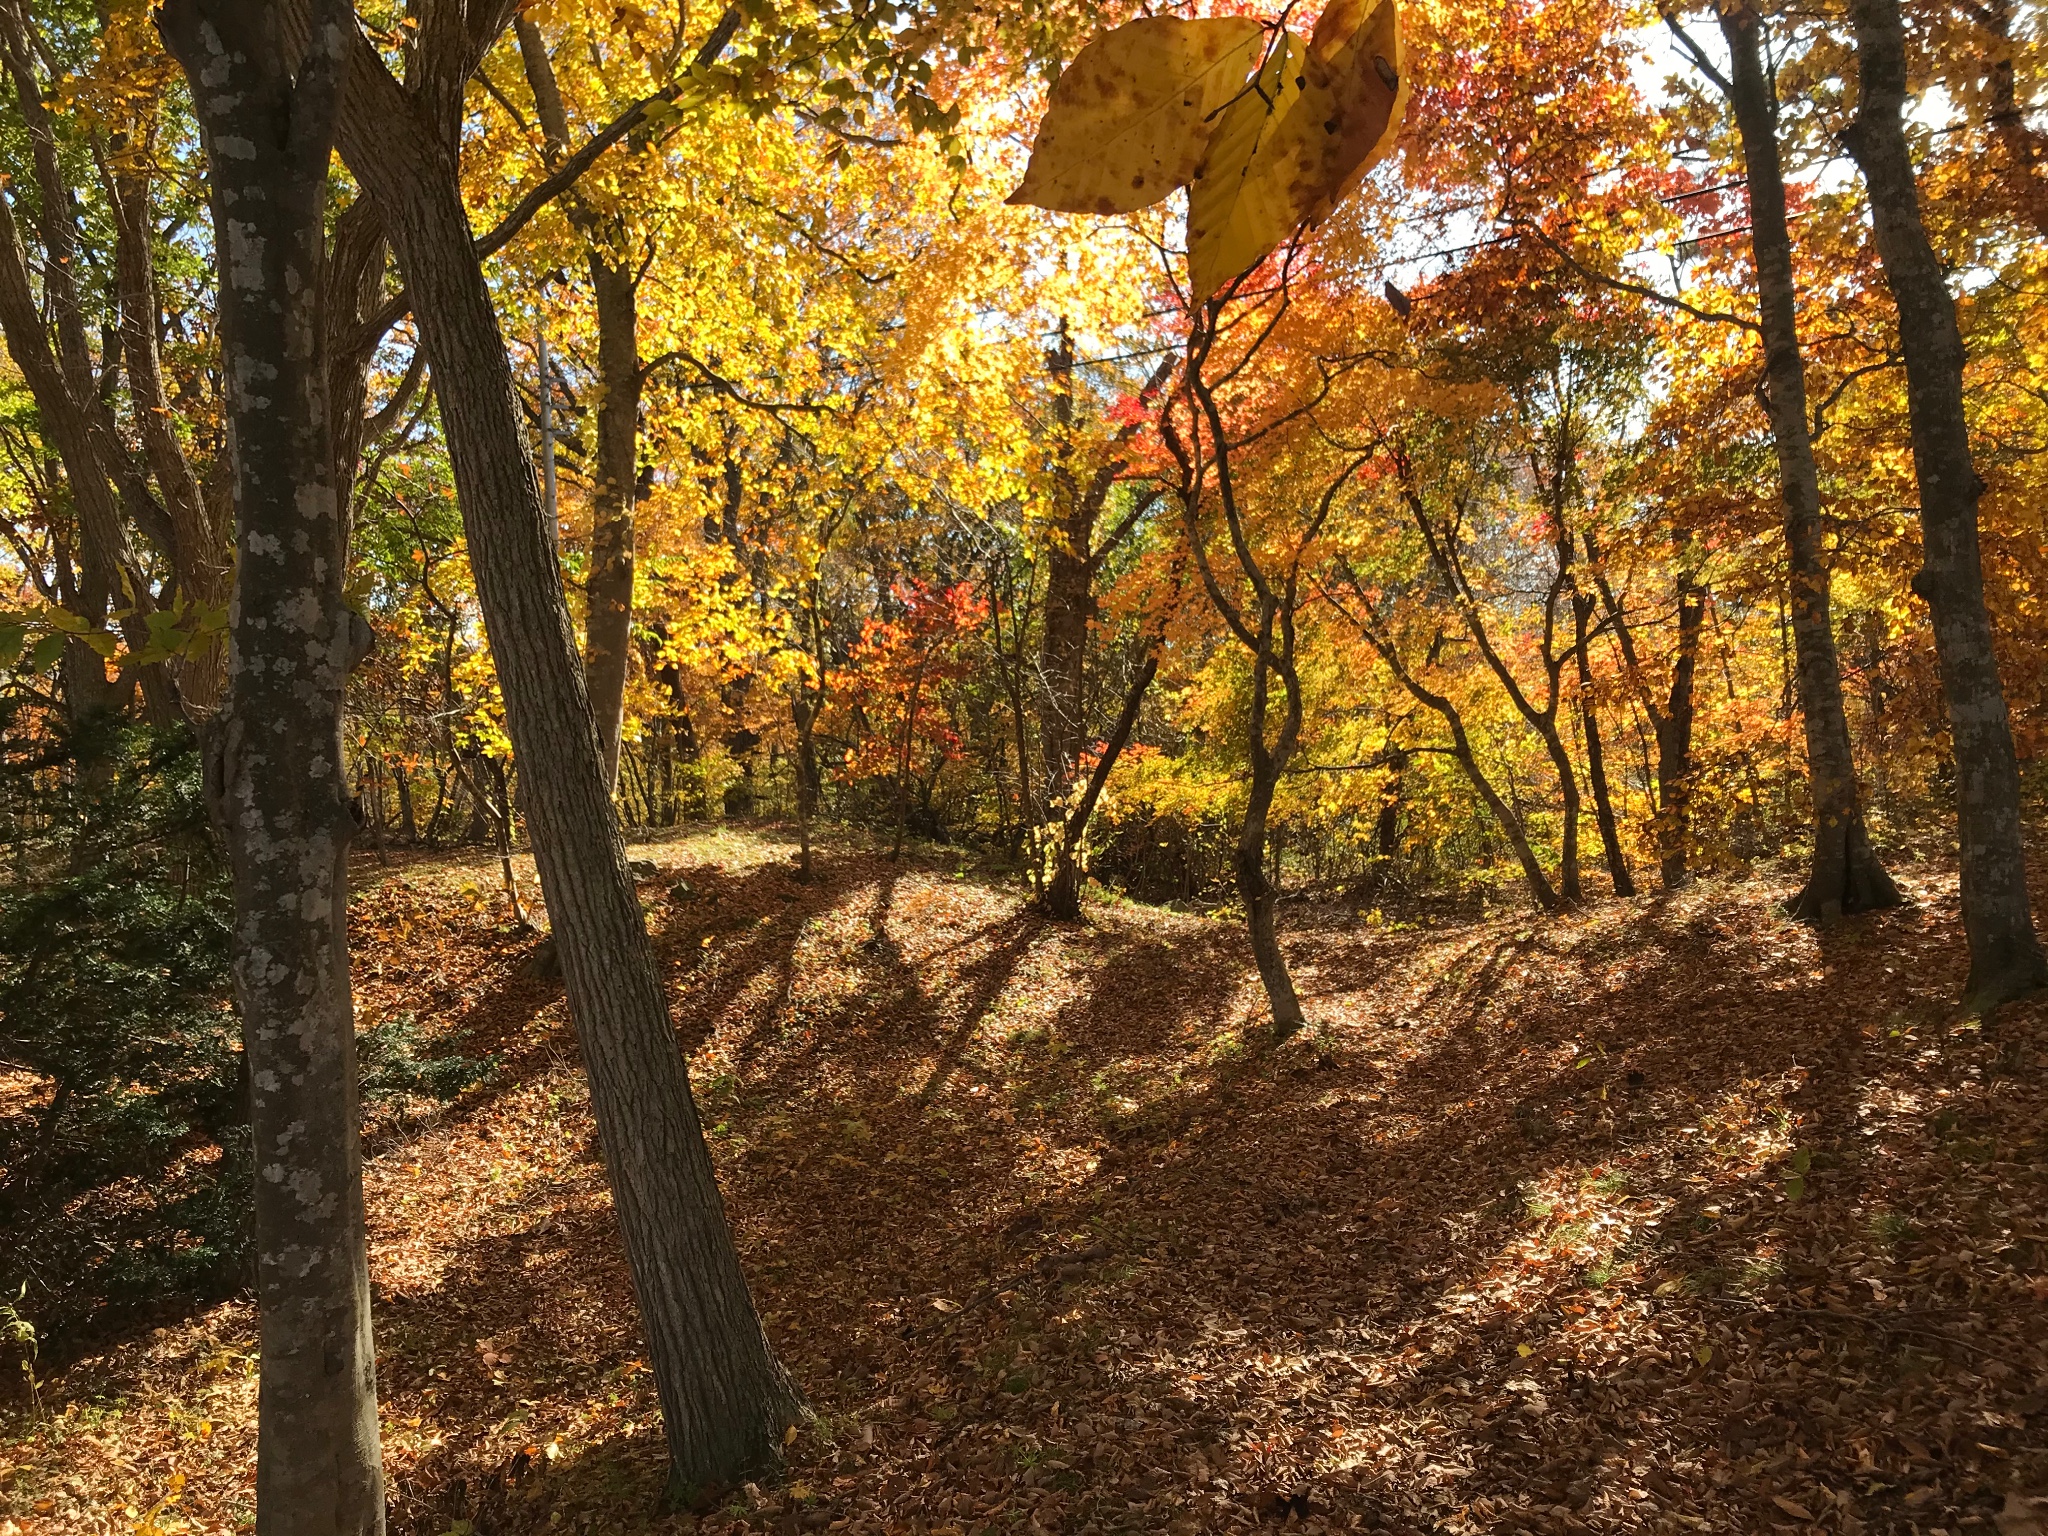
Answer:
(1845, 875)
(275, 771)
(725, 1399)
(2006, 960)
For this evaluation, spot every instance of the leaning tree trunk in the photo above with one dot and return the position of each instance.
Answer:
(1510, 824)
(1063, 892)
(1846, 875)
(275, 772)
(725, 1398)
(2005, 954)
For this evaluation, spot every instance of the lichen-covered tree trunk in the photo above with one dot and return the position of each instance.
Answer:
(1845, 875)
(725, 1398)
(2006, 959)
(275, 772)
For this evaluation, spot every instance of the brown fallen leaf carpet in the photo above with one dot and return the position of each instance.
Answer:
(1667, 1216)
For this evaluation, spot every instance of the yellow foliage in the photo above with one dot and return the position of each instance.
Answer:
(1131, 116)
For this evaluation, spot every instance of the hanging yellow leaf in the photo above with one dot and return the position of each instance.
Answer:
(1356, 49)
(1237, 212)
(1287, 154)
(1130, 118)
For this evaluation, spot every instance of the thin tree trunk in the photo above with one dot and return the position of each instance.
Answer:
(1254, 887)
(1673, 725)
(2006, 958)
(806, 765)
(1596, 760)
(903, 760)
(1449, 566)
(1063, 894)
(614, 284)
(407, 825)
(275, 770)
(1846, 875)
(608, 632)
(1504, 815)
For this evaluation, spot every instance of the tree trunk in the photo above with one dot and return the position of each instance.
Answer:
(2006, 959)
(1674, 742)
(725, 1399)
(408, 826)
(1846, 875)
(275, 770)
(1596, 759)
(1063, 894)
(1069, 594)
(803, 713)
(903, 760)
(1254, 887)
(608, 634)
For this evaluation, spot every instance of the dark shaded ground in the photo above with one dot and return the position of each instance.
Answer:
(1667, 1216)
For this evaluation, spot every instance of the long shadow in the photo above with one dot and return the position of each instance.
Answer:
(1123, 1210)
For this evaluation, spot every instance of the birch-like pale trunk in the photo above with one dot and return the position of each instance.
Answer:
(267, 116)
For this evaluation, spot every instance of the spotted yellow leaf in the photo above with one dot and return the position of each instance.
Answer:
(1130, 118)
(1288, 153)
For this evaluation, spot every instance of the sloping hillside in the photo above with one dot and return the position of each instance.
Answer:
(1668, 1216)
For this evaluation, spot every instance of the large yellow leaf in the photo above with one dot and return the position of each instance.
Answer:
(1288, 154)
(1130, 118)
(1236, 211)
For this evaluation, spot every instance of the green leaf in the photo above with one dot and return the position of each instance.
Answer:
(46, 652)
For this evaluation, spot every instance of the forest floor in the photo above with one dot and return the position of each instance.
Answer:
(1666, 1216)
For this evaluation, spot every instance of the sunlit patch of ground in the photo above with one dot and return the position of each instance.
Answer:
(1666, 1216)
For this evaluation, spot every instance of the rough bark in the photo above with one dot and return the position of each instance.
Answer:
(1845, 875)
(725, 1399)
(2006, 958)
(275, 771)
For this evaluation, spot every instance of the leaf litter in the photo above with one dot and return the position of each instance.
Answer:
(1667, 1216)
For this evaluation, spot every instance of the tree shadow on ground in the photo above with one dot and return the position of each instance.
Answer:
(1551, 1226)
